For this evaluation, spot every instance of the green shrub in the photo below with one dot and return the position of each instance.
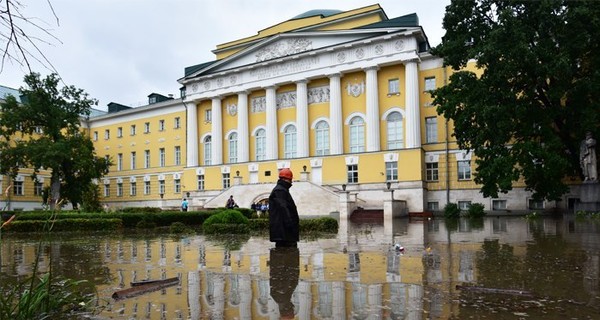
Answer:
(64, 225)
(246, 212)
(259, 224)
(146, 224)
(451, 210)
(323, 224)
(178, 227)
(476, 210)
(229, 216)
(141, 210)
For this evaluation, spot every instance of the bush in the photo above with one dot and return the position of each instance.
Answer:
(476, 210)
(141, 210)
(229, 216)
(64, 225)
(451, 211)
(324, 224)
(178, 227)
(145, 224)
(246, 212)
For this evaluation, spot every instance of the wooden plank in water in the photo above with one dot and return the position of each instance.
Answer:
(495, 290)
(144, 288)
(139, 283)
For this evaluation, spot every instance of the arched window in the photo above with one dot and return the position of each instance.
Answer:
(233, 147)
(357, 135)
(322, 138)
(260, 144)
(208, 151)
(290, 142)
(395, 136)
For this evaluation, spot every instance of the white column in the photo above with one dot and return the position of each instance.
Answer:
(302, 118)
(413, 116)
(272, 134)
(372, 115)
(192, 134)
(242, 127)
(336, 135)
(217, 132)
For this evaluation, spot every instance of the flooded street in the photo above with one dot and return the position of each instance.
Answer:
(497, 268)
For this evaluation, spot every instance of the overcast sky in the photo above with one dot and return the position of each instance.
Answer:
(123, 50)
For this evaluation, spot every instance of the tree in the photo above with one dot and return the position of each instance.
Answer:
(524, 115)
(45, 132)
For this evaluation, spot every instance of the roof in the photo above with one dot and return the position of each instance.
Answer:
(409, 20)
(189, 70)
(317, 12)
(5, 91)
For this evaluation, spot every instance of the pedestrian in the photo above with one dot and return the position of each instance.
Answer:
(230, 203)
(284, 223)
(184, 205)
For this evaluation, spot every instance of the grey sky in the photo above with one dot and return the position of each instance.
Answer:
(122, 50)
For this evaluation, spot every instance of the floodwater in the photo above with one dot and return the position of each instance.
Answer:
(497, 268)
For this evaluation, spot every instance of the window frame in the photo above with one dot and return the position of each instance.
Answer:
(352, 173)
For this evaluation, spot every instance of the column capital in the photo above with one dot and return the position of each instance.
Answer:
(376, 68)
(274, 86)
(243, 92)
(410, 60)
(302, 81)
(335, 74)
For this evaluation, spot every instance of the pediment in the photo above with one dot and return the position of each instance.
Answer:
(285, 45)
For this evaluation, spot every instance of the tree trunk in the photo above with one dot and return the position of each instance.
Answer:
(54, 191)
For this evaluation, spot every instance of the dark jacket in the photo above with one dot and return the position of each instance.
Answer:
(283, 215)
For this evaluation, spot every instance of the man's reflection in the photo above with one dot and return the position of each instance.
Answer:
(284, 270)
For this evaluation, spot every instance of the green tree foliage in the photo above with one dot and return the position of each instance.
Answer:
(525, 115)
(45, 132)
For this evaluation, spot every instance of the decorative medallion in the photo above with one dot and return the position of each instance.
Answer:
(355, 89)
(341, 56)
(195, 87)
(220, 82)
(231, 109)
(207, 85)
(379, 49)
(360, 53)
(399, 45)
(233, 80)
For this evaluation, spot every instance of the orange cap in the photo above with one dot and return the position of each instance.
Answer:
(286, 173)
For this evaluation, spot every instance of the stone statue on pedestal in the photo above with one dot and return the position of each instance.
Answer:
(587, 158)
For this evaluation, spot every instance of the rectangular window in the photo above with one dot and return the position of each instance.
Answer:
(161, 157)
(535, 204)
(394, 86)
(391, 171)
(147, 127)
(119, 162)
(431, 171)
(498, 204)
(208, 115)
(464, 205)
(464, 170)
(147, 188)
(177, 123)
(431, 131)
(106, 134)
(146, 159)
(226, 181)
(38, 188)
(133, 189)
(177, 155)
(133, 160)
(433, 206)
(429, 83)
(18, 188)
(119, 189)
(200, 182)
(132, 130)
(107, 190)
(119, 132)
(352, 173)
(177, 186)
(161, 125)
(38, 130)
(95, 135)
(161, 186)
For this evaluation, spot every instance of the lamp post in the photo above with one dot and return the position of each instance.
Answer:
(162, 195)
(187, 194)
(389, 185)
(304, 168)
(343, 187)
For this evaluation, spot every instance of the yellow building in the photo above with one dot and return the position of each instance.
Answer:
(340, 97)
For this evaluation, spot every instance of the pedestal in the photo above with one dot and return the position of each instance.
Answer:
(589, 197)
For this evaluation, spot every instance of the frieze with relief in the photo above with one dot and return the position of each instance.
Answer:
(318, 94)
(286, 99)
(258, 104)
(283, 48)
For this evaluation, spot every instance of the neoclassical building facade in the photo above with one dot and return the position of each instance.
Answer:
(340, 97)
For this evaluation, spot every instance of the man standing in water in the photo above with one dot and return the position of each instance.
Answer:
(284, 222)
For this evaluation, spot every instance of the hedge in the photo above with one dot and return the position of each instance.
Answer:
(64, 225)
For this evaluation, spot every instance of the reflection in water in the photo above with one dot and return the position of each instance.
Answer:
(284, 270)
(357, 275)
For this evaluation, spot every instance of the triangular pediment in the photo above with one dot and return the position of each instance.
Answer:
(290, 44)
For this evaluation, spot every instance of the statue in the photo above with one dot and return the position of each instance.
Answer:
(587, 158)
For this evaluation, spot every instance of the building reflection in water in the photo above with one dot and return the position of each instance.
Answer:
(355, 276)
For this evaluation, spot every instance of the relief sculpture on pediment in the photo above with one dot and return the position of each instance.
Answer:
(283, 48)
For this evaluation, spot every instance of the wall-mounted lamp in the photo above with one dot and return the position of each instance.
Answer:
(237, 173)
(162, 195)
(388, 185)
(187, 194)
(343, 187)
(304, 168)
